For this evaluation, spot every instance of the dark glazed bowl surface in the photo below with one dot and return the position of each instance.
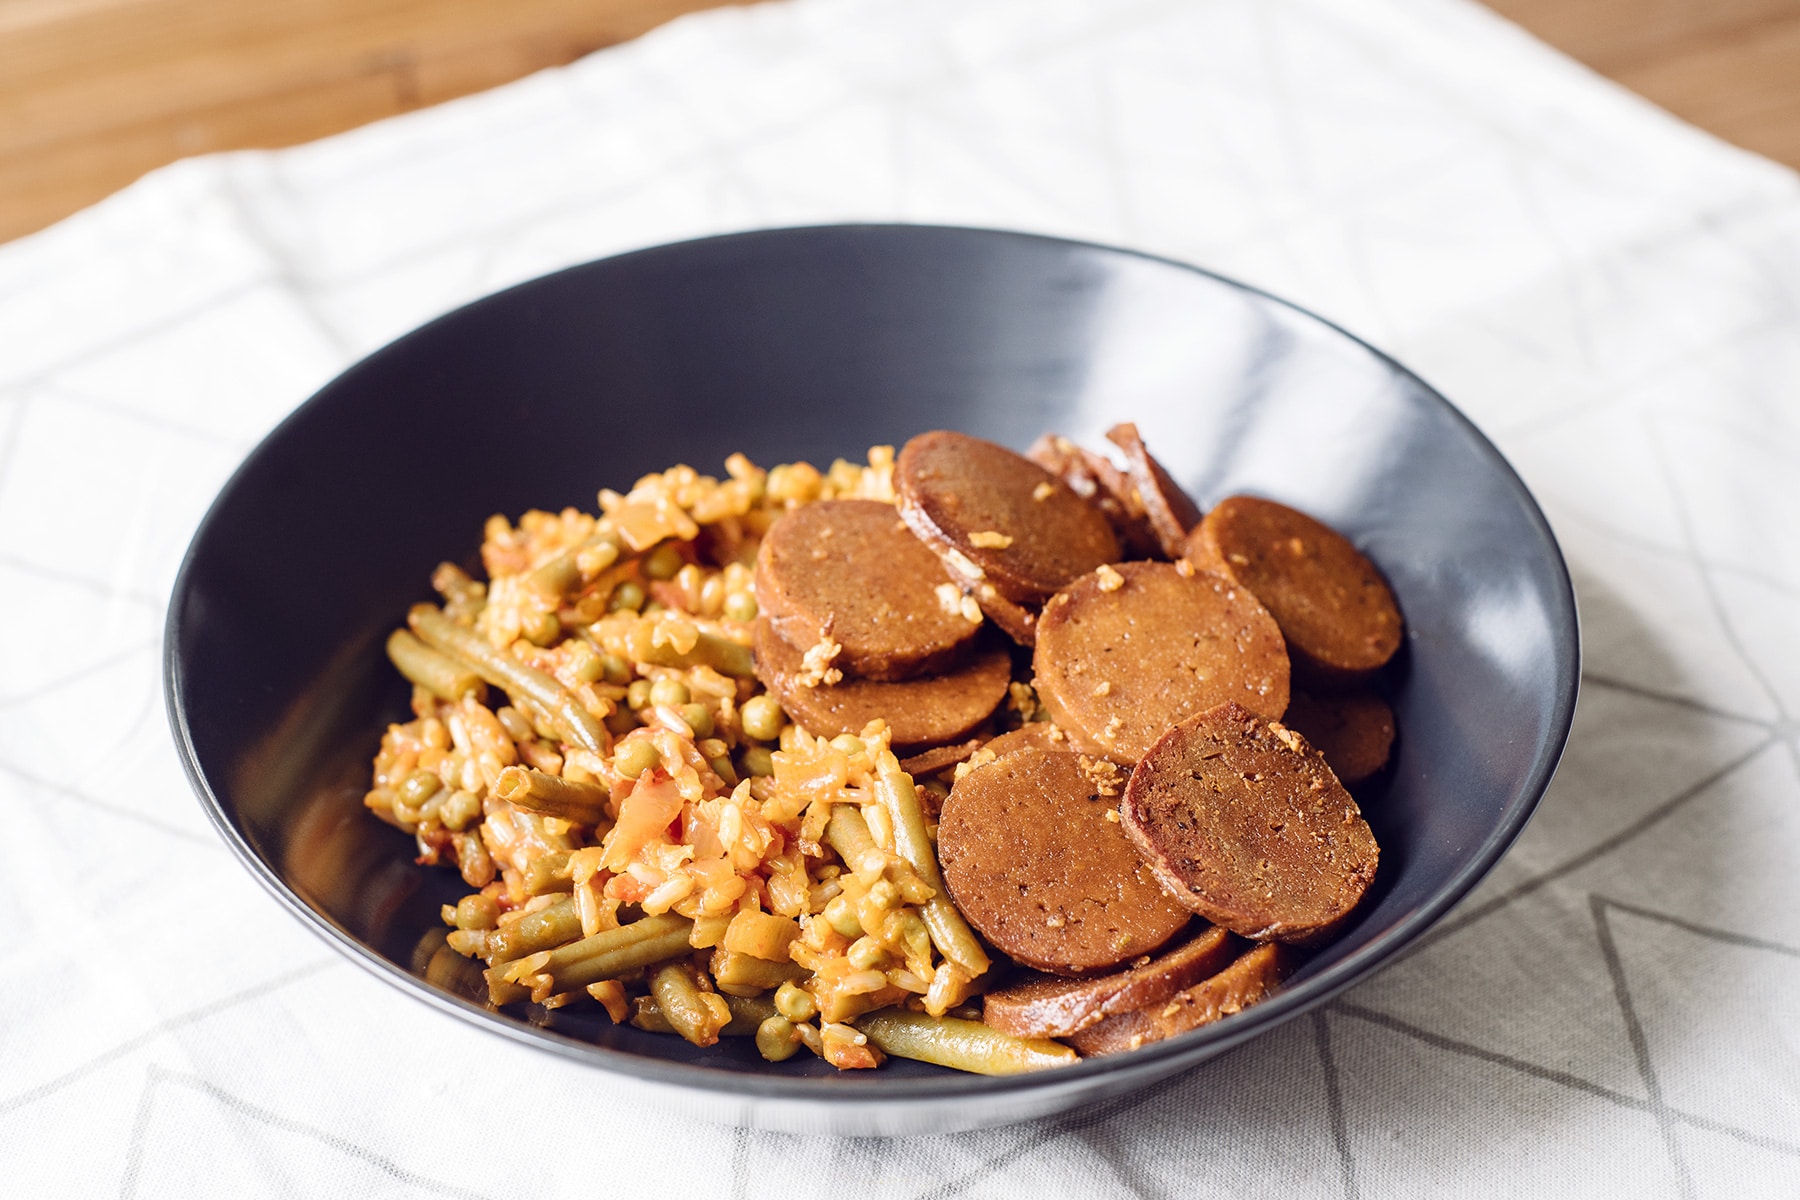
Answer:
(816, 343)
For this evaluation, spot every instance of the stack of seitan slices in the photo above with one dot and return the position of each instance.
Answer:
(859, 622)
(1168, 648)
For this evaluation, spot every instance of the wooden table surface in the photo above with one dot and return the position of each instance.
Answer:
(93, 93)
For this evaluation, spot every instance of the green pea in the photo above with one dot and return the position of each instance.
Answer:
(776, 1039)
(620, 722)
(795, 1002)
(628, 595)
(638, 694)
(669, 691)
(699, 719)
(758, 761)
(762, 718)
(664, 561)
(635, 757)
(541, 629)
(585, 661)
(840, 914)
(615, 669)
(740, 606)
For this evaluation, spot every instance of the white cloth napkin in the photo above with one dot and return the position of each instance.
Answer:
(1612, 296)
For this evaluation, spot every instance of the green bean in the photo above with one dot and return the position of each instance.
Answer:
(745, 973)
(557, 577)
(502, 670)
(849, 835)
(696, 1015)
(582, 803)
(954, 939)
(477, 911)
(962, 1045)
(747, 1012)
(545, 929)
(437, 673)
(615, 952)
(548, 873)
(710, 650)
(761, 718)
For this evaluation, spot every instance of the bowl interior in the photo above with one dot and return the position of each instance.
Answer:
(815, 344)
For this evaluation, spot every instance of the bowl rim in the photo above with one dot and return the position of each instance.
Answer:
(859, 1088)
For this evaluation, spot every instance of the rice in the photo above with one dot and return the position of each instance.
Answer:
(640, 616)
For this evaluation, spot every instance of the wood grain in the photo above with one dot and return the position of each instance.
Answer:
(93, 93)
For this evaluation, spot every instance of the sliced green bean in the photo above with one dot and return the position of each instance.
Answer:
(961, 1045)
(546, 929)
(582, 803)
(849, 835)
(696, 1015)
(502, 670)
(747, 1012)
(556, 578)
(615, 952)
(436, 673)
(952, 935)
(710, 650)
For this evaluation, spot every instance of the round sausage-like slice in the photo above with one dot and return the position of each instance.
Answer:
(851, 568)
(919, 712)
(1045, 1006)
(1128, 651)
(1246, 825)
(1003, 525)
(1170, 511)
(1251, 978)
(1034, 856)
(1094, 478)
(1353, 730)
(1337, 613)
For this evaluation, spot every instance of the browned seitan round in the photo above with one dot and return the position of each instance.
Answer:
(1246, 825)
(853, 570)
(1046, 1006)
(1353, 730)
(1034, 856)
(1126, 652)
(919, 712)
(1009, 531)
(1337, 613)
(1250, 979)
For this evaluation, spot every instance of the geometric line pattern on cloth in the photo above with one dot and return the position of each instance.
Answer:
(1334, 1100)
(1438, 1041)
(1597, 851)
(203, 840)
(1057, 1129)
(38, 691)
(167, 1025)
(157, 1077)
(1640, 1046)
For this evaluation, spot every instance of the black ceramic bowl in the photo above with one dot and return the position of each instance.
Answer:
(816, 343)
